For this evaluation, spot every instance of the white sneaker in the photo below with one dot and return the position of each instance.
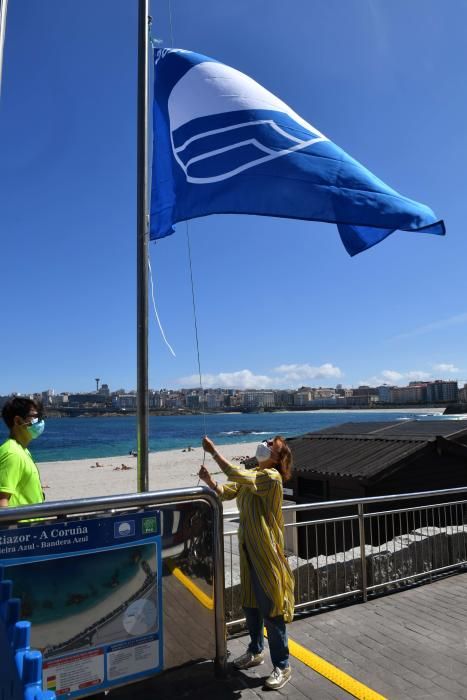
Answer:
(278, 678)
(249, 660)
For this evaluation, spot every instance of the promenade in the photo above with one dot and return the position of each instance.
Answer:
(405, 646)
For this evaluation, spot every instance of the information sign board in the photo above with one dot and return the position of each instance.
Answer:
(92, 590)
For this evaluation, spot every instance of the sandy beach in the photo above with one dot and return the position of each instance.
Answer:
(58, 631)
(172, 469)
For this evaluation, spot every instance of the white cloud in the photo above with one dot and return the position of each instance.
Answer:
(300, 373)
(418, 376)
(446, 367)
(390, 375)
(387, 376)
(243, 379)
(458, 320)
(377, 380)
(283, 376)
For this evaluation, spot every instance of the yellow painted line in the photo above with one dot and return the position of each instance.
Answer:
(332, 673)
(307, 657)
(200, 595)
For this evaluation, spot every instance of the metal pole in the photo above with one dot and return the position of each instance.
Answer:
(142, 249)
(3, 10)
(361, 529)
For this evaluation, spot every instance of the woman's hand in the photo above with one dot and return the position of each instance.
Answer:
(205, 476)
(208, 445)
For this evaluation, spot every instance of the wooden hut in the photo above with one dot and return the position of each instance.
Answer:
(357, 460)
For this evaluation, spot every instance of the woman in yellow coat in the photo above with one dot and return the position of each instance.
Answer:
(266, 579)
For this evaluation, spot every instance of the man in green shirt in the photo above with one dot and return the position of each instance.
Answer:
(20, 483)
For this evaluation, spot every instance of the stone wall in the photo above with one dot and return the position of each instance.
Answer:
(404, 556)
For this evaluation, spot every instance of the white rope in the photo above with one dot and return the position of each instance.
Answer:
(155, 310)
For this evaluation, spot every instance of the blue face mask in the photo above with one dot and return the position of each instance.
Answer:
(36, 428)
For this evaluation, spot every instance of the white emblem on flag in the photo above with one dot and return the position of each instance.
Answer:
(210, 89)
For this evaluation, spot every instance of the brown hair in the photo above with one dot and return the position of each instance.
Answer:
(284, 467)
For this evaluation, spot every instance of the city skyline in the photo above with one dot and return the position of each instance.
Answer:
(279, 303)
(105, 390)
(103, 400)
(297, 376)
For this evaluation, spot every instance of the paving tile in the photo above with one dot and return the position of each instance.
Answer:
(410, 645)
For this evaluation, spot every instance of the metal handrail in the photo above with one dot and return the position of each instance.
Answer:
(364, 516)
(228, 514)
(99, 504)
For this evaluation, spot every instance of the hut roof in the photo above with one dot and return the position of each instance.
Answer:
(370, 451)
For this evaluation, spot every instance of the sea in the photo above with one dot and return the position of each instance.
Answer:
(93, 437)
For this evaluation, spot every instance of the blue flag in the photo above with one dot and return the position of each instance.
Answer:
(223, 144)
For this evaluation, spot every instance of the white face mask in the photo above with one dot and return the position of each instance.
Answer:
(263, 452)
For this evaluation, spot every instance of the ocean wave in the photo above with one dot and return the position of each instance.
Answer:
(245, 432)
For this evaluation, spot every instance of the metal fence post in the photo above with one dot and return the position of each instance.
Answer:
(361, 529)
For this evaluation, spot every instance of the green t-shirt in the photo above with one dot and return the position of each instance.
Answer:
(19, 475)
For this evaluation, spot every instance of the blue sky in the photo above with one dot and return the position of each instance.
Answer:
(279, 303)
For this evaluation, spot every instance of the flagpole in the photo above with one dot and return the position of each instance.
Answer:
(142, 401)
(3, 11)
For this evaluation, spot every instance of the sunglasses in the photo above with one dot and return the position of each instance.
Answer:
(32, 417)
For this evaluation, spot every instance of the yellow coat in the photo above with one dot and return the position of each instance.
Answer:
(259, 495)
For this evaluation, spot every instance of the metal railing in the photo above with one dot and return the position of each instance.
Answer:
(369, 545)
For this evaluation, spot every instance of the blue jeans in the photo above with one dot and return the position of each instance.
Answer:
(256, 618)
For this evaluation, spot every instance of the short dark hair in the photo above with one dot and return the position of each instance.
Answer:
(19, 406)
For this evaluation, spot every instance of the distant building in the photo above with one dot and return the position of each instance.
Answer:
(284, 398)
(47, 398)
(193, 401)
(60, 400)
(440, 391)
(323, 393)
(155, 400)
(236, 400)
(365, 392)
(214, 400)
(384, 393)
(329, 402)
(83, 400)
(303, 397)
(258, 399)
(174, 400)
(362, 400)
(414, 393)
(125, 402)
(362, 390)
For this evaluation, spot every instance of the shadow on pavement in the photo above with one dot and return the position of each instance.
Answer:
(196, 681)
